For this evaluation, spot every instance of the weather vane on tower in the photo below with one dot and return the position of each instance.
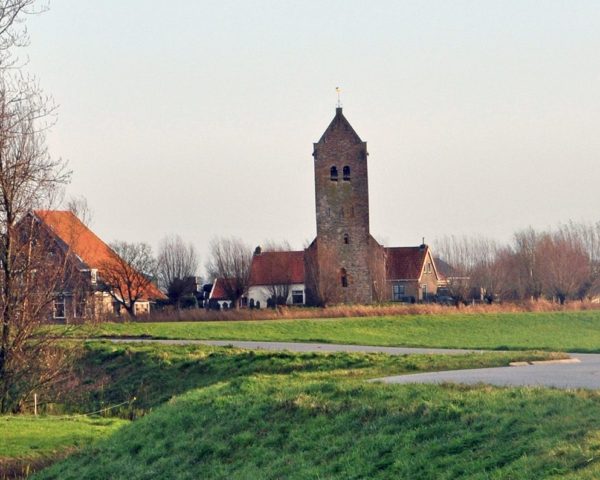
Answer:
(339, 102)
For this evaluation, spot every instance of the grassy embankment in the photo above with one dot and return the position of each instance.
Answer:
(284, 415)
(109, 374)
(555, 331)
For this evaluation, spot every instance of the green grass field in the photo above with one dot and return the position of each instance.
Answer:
(110, 374)
(210, 412)
(28, 436)
(269, 415)
(29, 442)
(556, 331)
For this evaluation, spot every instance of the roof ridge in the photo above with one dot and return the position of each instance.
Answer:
(69, 212)
(339, 117)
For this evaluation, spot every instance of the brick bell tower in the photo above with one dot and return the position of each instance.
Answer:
(344, 248)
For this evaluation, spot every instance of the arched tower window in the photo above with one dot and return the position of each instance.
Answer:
(344, 277)
(333, 174)
(346, 238)
(346, 172)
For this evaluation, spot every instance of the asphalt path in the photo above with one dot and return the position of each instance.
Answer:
(583, 372)
(301, 347)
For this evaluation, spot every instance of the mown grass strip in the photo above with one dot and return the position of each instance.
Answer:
(555, 331)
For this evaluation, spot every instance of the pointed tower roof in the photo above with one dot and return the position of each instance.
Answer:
(339, 122)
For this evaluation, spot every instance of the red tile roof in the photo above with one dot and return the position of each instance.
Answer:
(277, 268)
(218, 291)
(405, 263)
(84, 243)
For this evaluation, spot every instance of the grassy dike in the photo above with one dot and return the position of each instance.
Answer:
(158, 376)
(555, 331)
(320, 419)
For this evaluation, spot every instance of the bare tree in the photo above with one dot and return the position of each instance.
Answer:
(588, 236)
(39, 269)
(564, 268)
(79, 207)
(29, 178)
(471, 260)
(527, 264)
(13, 32)
(177, 267)
(230, 260)
(276, 246)
(128, 275)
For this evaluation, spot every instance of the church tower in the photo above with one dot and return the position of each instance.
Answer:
(344, 248)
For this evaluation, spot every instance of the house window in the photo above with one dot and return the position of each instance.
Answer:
(346, 238)
(59, 307)
(344, 277)
(297, 297)
(94, 276)
(333, 174)
(398, 291)
(424, 290)
(346, 172)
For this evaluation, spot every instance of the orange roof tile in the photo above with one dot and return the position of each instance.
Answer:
(277, 268)
(84, 243)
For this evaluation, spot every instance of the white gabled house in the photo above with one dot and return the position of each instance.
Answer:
(277, 277)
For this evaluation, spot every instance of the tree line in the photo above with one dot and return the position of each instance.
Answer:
(558, 264)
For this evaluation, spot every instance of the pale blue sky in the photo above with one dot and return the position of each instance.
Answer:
(198, 118)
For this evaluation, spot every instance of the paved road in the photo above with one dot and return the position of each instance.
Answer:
(302, 347)
(584, 374)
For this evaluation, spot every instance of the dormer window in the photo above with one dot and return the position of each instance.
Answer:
(333, 174)
(346, 172)
(94, 276)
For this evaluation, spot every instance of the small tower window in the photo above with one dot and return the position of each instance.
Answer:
(346, 172)
(333, 174)
(344, 277)
(346, 238)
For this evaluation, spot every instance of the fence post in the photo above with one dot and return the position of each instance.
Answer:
(35, 404)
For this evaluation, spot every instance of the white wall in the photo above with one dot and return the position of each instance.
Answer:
(262, 294)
